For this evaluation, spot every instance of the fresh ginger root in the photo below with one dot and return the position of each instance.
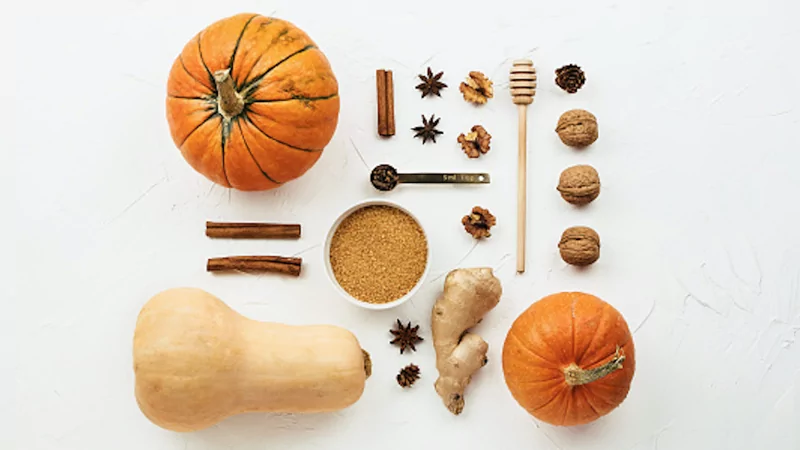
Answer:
(468, 295)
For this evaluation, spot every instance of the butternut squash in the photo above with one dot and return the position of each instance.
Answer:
(197, 361)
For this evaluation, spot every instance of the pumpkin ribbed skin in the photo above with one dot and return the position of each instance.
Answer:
(567, 330)
(287, 92)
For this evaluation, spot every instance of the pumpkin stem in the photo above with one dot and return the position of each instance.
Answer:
(575, 376)
(367, 363)
(229, 102)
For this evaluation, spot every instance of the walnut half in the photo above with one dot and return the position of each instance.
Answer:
(475, 143)
(479, 222)
(477, 88)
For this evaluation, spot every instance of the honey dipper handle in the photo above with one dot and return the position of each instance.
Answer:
(522, 189)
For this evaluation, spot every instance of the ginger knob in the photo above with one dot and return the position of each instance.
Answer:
(468, 295)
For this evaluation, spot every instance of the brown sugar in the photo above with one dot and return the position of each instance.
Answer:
(378, 254)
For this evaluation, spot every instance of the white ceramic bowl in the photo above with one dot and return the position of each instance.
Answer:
(329, 269)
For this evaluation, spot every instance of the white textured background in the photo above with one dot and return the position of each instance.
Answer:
(699, 155)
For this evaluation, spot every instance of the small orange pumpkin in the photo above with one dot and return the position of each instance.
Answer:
(252, 102)
(569, 359)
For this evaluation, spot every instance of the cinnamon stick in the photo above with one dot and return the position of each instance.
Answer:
(276, 264)
(390, 102)
(385, 85)
(380, 81)
(252, 230)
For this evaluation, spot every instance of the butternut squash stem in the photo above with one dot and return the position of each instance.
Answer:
(367, 363)
(575, 376)
(230, 102)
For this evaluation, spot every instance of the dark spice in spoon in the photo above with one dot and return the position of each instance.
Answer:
(384, 177)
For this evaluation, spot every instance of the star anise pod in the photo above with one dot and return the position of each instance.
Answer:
(408, 375)
(430, 84)
(405, 336)
(428, 129)
(479, 222)
(570, 78)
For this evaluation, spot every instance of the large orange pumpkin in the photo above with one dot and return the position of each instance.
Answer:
(252, 102)
(569, 359)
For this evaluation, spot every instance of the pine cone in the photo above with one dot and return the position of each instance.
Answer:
(408, 375)
(570, 78)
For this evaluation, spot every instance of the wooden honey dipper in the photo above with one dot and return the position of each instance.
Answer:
(523, 88)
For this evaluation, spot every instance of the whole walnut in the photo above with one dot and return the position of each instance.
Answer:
(577, 128)
(579, 185)
(579, 246)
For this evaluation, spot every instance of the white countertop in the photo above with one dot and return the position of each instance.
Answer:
(698, 154)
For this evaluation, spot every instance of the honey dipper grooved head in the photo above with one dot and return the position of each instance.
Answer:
(522, 82)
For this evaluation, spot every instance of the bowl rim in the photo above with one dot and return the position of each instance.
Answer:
(326, 254)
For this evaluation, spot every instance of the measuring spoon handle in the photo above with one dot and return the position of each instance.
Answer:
(448, 178)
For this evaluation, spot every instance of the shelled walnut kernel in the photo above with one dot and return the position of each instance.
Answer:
(476, 142)
(477, 88)
(479, 222)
